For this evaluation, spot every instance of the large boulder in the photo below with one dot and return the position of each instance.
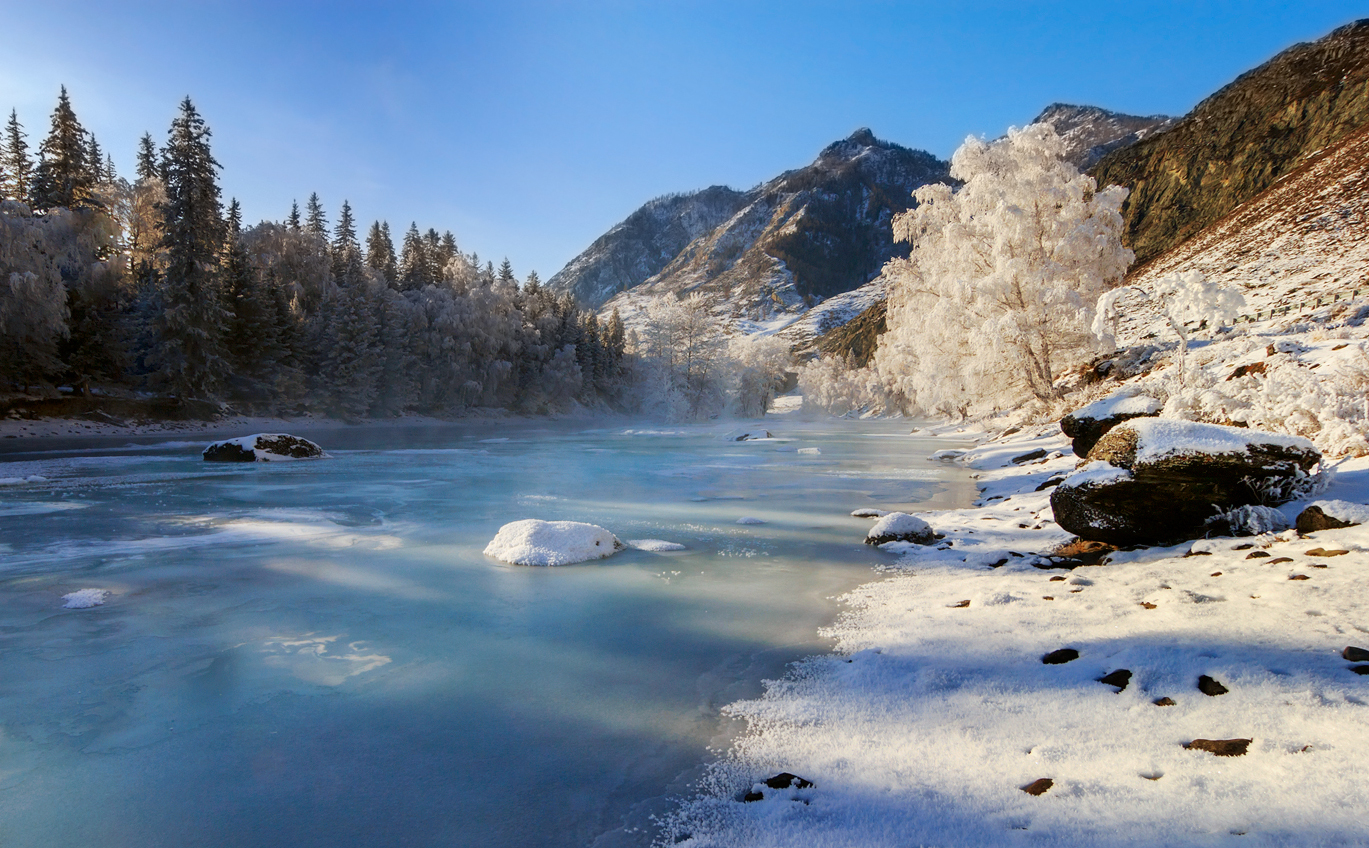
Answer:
(1150, 481)
(1089, 424)
(900, 527)
(263, 447)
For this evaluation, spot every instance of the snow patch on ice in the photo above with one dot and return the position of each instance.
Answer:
(746, 519)
(654, 545)
(84, 598)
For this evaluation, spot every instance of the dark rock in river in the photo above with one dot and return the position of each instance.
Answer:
(263, 447)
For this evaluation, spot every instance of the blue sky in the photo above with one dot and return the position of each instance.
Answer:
(530, 128)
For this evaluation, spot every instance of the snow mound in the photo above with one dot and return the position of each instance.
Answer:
(536, 542)
(654, 545)
(869, 512)
(810, 450)
(746, 519)
(899, 527)
(84, 598)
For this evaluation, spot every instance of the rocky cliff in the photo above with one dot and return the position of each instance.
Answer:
(1090, 133)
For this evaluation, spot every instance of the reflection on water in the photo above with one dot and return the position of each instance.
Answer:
(318, 653)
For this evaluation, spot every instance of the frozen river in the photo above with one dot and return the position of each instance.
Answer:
(318, 653)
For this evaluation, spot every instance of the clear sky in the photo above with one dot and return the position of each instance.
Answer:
(530, 128)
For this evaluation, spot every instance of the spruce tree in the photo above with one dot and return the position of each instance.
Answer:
(414, 272)
(346, 250)
(506, 279)
(252, 340)
(17, 165)
(149, 162)
(380, 252)
(95, 158)
(63, 176)
(293, 221)
(191, 324)
(315, 223)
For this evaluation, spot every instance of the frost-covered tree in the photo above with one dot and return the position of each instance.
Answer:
(347, 261)
(380, 252)
(63, 177)
(759, 365)
(996, 299)
(15, 162)
(33, 299)
(1181, 298)
(414, 270)
(191, 323)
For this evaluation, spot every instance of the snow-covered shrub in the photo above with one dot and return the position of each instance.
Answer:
(997, 297)
(1180, 298)
(757, 370)
(835, 386)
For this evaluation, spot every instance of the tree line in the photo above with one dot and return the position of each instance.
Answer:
(153, 285)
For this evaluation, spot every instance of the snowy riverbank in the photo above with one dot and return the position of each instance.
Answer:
(936, 709)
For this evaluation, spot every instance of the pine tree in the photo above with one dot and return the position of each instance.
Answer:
(63, 176)
(347, 263)
(191, 325)
(315, 223)
(17, 165)
(533, 284)
(380, 252)
(293, 221)
(448, 248)
(506, 279)
(95, 157)
(252, 340)
(149, 162)
(437, 259)
(414, 271)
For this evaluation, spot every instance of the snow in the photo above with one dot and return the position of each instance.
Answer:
(654, 545)
(810, 451)
(1122, 403)
(536, 542)
(1097, 473)
(747, 519)
(899, 524)
(84, 598)
(935, 708)
(868, 512)
(1158, 438)
(948, 454)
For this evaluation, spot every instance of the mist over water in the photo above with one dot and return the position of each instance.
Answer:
(318, 653)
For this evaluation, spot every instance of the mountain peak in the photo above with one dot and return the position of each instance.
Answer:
(864, 137)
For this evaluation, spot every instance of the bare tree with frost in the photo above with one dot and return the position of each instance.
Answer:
(996, 300)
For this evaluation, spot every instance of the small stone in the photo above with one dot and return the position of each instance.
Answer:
(1047, 597)
(1220, 747)
(1324, 552)
(1211, 687)
(1119, 678)
(1247, 546)
(1059, 578)
(1299, 577)
(1060, 657)
(1197, 553)
(1360, 669)
(1054, 481)
(753, 796)
(1257, 555)
(1318, 565)
(1148, 605)
(1215, 574)
(785, 780)
(1075, 591)
(1353, 654)
(1164, 702)
(1277, 560)
(1039, 787)
(1029, 457)
(960, 604)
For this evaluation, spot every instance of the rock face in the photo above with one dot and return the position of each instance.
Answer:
(1090, 133)
(900, 527)
(644, 243)
(263, 447)
(1151, 481)
(1089, 424)
(1241, 140)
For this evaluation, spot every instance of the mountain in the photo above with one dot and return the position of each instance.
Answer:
(1090, 133)
(644, 243)
(1302, 240)
(804, 236)
(1241, 140)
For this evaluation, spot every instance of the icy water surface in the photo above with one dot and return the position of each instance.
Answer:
(318, 653)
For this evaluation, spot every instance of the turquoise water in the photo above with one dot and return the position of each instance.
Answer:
(318, 653)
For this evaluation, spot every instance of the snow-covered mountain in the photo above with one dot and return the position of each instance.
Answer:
(1241, 140)
(801, 238)
(1090, 133)
(644, 243)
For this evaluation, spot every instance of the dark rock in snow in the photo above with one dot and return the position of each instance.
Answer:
(1029, 457)
(1060, 657)
(1315, 518)
(1054, 481)
(753, 796)
(1353, 654)
(263, 447)
(785, 780)
(1119, 678)
(1277, 560)
(1360, 669)
(1039, 787)
(1089, 424)
(959, 604)
(1326, 552)
(1299, 577)
(1154, 481)
(1211, 687)
(1220, 747)
(1163, 702)
(1257, 555)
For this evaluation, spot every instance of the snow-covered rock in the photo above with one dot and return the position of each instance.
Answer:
(1331, 515)
(263, 447)
(84, 598)
(1149, 480)
(1089, 424)
(900, 527)
(869, 512)
(536, 542)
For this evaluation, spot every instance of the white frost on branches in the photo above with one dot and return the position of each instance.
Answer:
(997, 297)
